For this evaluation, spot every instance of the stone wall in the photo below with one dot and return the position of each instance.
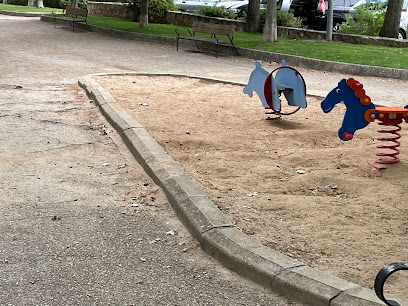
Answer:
(347, 38)
(109, 9)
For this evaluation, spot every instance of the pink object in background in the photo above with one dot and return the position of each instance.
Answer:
(321, 7)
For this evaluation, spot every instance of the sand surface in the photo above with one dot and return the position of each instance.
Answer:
(291, 183)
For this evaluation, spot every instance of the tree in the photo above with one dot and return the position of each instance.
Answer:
(35, 3)
(270, 30)
(73, 3)
(144, 14)
(253, 22)
(392, 19)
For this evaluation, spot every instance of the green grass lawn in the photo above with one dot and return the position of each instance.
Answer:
(26, 9)
(371, 55)
(332, 51)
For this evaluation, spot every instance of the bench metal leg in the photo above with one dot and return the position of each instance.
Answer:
(232, 43)
(196, 45)
(72, 24)
(89, 27)
(236, 51)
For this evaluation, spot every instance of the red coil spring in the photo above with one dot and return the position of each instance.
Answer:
(394, 143)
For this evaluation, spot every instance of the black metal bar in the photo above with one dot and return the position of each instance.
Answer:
(382, 277)
(232, 43)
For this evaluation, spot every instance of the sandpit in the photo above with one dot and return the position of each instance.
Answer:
(290, 184)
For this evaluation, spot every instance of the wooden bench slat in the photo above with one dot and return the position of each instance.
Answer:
(76, 11)
(213, 29)
(220, 29)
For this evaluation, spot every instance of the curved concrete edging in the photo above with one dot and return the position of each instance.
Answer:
(216, 234)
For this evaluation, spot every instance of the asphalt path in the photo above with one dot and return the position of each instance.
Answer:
(81, 223)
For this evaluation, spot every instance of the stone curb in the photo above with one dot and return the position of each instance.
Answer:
(310, 63)
(10, 13)
(215, 233)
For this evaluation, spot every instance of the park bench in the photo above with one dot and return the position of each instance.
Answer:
(73, 15)
(215, 31)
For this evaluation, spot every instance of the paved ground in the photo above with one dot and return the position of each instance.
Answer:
(82, 223)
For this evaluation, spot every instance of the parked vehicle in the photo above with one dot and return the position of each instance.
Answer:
(340, 9)
(239, 7)
(313, 12)
(227, 4)
(379, 4)
(190, 6)
(237, 3)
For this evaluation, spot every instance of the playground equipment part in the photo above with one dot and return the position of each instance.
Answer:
(382, 277)
(361, 111)
(270, 86)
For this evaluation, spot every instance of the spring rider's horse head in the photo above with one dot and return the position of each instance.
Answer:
(360, 112)
(353, 95)
(256, 83)
(270, 86)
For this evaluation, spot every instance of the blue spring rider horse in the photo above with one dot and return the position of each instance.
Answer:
(353, 95)
(269, 88)
(360, 112)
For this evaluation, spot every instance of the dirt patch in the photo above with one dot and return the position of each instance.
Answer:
(291, 184)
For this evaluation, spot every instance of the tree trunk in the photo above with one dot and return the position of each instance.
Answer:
(253, 23)
(144, 14)
(392, 19)
(73, 3)
(35, 3)
(270, 30)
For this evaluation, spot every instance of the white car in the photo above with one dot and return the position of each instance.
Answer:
(239, 7)
(242, 5)
(402, 34)
(190, 6)
(227, 4)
